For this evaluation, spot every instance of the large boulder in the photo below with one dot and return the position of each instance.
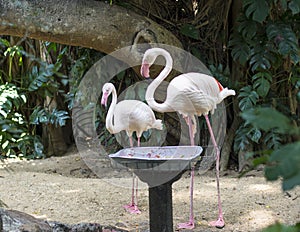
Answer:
(16, 221)
(12, 220)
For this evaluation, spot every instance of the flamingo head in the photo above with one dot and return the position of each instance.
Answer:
(106, 91)
(148, 59)
(145, 69)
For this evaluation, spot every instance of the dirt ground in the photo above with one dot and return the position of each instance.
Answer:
(64, 189)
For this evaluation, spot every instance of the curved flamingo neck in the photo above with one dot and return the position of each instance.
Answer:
(160, 107)
(109, 118)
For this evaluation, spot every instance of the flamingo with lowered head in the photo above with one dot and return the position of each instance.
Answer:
(131, 116)
(189, 94)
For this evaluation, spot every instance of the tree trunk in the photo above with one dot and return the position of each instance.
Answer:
(53, 136)
(237, 76)
(88, 23)
(229, 139)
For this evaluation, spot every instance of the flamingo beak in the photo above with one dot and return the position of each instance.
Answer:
(104, 99)
(145, 70)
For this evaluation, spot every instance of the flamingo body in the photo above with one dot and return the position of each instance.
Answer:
(190, 94)
(131, 116)
(134, 116)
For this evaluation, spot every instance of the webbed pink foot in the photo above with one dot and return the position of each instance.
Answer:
(131, 208)
(219, 223)
(186, 225)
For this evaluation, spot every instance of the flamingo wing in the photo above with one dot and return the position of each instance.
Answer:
(193, 94)
(133, 115)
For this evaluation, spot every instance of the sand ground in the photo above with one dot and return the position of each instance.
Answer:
(64, 189)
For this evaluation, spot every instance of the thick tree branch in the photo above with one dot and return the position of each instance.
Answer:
(86, 23)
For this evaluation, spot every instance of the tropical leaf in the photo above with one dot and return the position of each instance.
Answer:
(244, 135)
(190, 31)
(248, 28)
(285, 39)
(222, 74)
(240, 49)
(10, 99)
(254, 134)
(266, 118)
(262, 57)
(258, 10)
(41, 115)
(249, 98)
(294, 6)
(277, 227)
(283, 4)
(37, 79)
(241, 139)
(4, 42)
(58, 117)
(262, 82)
(272, 139)
(285, 163)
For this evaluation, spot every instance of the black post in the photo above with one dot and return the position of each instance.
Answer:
(160, 208)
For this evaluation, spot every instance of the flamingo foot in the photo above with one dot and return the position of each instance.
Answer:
(132, 208)
(186, 225)
(219, 223)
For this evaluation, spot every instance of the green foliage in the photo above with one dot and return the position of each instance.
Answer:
(222, 74)
(14, 139)
(249, 98)
(258, 10)
(12, 52)
(190, 31)
(284, 40)
(282, 228)
(267, 119)
(20, 92)
(10, 99)
(43, 116)
(262, 83)
(261, 57)
(265, 43)
(244, 135)
(240, 49)
(42, 80)
(294, 6)
(284, 161)
(272, 139)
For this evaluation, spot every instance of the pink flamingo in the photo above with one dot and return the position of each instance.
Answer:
(131, 116)
(189, 94)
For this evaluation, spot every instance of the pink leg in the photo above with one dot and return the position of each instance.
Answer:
(136, 209)
(139, 141)
(132, 207)
(220, 223)
(130, 141)
(191, 223)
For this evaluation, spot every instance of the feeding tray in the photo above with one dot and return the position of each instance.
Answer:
(169, 158)
(156, 165)
(159, 167)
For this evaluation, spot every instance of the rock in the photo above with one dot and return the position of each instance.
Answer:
(83, 227)
(12, 220)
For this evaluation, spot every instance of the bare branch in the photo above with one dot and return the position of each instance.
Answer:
(86, 23)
